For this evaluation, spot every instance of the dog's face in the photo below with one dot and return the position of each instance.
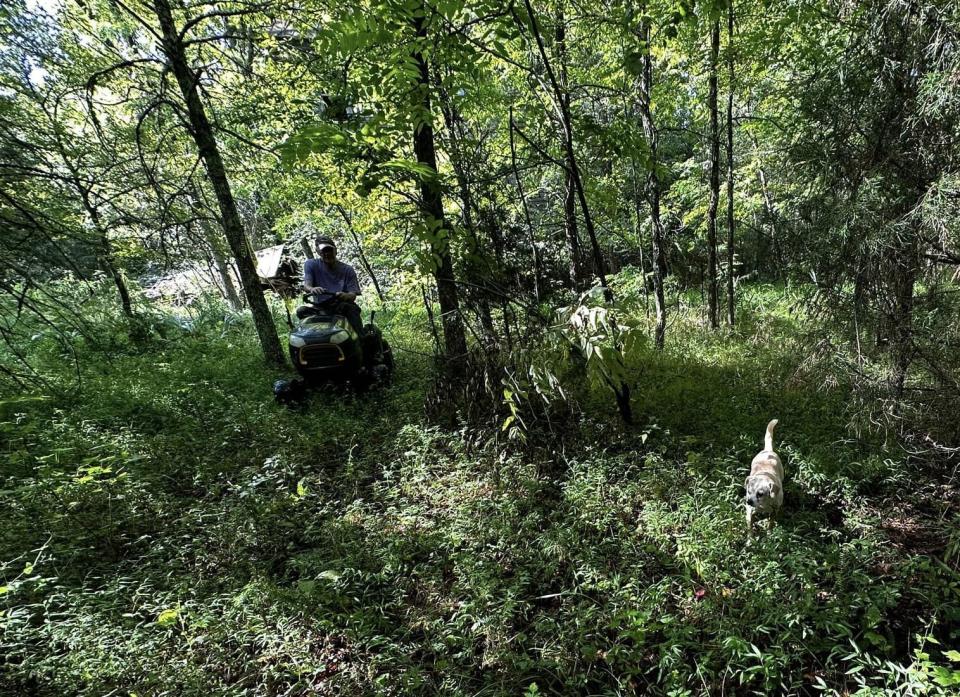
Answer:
(289, 392)
(762, 493)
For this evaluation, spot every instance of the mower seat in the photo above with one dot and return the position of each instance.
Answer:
(304, 311)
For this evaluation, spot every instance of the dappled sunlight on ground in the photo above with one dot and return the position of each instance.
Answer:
(349, 548)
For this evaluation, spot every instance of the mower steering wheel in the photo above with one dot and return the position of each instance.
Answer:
(317, 296)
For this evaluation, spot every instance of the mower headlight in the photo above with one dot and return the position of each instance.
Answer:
(338, 337)
(297, 342)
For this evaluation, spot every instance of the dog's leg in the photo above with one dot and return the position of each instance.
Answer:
(749, 521)
(771, 521)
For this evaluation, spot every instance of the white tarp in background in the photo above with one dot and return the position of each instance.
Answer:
(193, 279)
(268, 261)
(180, 286)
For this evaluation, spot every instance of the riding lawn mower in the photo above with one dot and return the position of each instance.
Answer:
(326, 349)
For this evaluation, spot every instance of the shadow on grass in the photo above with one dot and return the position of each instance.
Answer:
(352, 549)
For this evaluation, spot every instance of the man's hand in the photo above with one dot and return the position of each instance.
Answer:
(343, 295)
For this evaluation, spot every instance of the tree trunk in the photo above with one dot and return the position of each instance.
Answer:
(230, 219)
(903, 275)
(577, 274)
(638, 200)
(653, 189)
(452, 120)
(428, 306)
(104, 248)
(570, 154)
(119, 280)
(731, 300)
(492, 224)
(526, 212)
(106, 257)
(712, 282)
(622, 391)
(577, 277)
(305, 246)
(223, 268)
(431, 207)
(771, 214)
(348, 221)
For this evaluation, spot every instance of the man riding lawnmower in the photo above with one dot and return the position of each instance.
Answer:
(331, 345)
(334, 283)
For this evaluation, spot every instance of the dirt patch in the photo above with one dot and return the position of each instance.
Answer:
(915, 534)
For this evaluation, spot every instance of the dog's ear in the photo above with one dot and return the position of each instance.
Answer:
(746, 483)
(774, 489)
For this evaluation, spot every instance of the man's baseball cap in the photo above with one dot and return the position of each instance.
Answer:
(324, 242)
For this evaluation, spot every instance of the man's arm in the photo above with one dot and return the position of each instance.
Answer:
(309, 278)
(351, 286)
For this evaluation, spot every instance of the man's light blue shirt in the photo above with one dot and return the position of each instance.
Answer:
(341, 278)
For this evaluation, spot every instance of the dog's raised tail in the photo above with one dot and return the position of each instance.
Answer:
(768, 438)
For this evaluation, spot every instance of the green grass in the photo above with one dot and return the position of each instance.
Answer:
(167, 527)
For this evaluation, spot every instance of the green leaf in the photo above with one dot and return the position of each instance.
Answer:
(873, 616)
(633, 63)
(316, 138)
(168, 617)
(417, 169)
(946, 677)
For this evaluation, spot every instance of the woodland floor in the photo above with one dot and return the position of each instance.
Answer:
(169, 530)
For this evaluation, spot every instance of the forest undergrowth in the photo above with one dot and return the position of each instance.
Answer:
(168, 529)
